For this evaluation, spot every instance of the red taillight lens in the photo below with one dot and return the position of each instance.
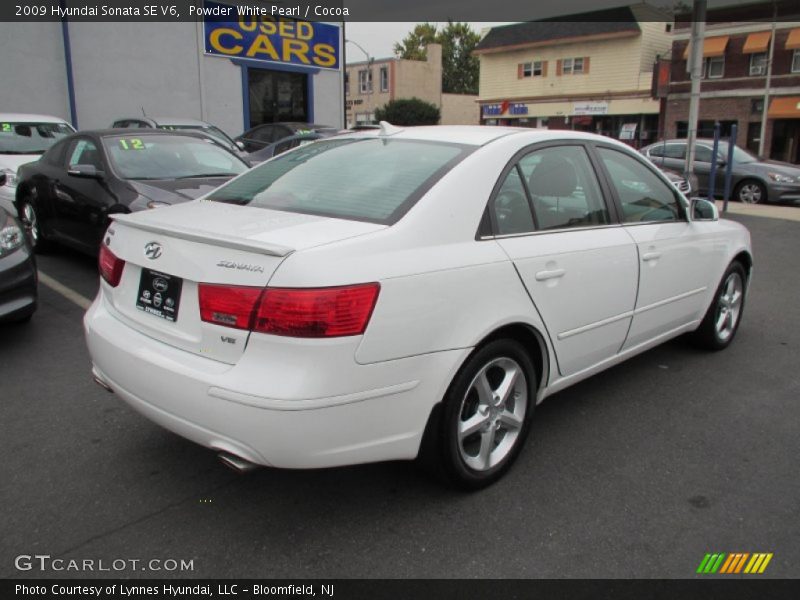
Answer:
(231, 306)
(110, 266)
(316, 313)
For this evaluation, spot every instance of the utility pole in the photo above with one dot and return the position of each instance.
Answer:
(695, 69)
(765, 109)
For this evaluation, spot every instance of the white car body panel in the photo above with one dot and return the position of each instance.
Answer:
(302, 403)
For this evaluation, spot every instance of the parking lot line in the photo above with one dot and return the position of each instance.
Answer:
(68, 293)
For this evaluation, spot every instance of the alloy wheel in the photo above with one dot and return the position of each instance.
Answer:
(729, 305)
(31, 222)
(750, 193)
(492, 414)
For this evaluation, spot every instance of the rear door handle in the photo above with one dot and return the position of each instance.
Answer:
(544, 275)
(651, 256)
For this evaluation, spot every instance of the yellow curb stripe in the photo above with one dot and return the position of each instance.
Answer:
(767, 558)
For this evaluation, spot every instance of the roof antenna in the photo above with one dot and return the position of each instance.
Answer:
(388, 129)
(143, 113)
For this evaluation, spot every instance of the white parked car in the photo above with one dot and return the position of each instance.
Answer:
(377, 296)
(23, 139)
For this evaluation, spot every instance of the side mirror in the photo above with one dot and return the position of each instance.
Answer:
(85, 171)
(703, 210)
(2, 179)
(240, 144)
(722, 162)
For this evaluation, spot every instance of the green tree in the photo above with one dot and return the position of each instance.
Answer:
(408, 111)
(459, 67)
(414, 45)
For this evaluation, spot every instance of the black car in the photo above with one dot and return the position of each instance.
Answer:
(258, 137)
(67, 195)
(18, 278)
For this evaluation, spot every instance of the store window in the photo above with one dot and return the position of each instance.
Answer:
(384, 79)
(796, 61)
(346, 83)
(277, 96)
(758, 64)
(365, 81)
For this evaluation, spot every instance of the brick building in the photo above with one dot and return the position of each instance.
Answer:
(736, 53)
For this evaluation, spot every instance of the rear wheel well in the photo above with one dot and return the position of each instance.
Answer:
(530, 339)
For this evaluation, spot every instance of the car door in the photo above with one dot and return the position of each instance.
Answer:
(83, 202)
(676, 256)
(579, 267)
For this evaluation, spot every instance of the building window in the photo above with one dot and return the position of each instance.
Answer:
(713, 67)
(365, 81)
(572, 66)
(346, 83)
(758, 64)
(384, 79)
(796, 61)
(757, 105)
(533, 69)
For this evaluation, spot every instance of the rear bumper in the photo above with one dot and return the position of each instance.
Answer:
(18, 281)
(374, 413)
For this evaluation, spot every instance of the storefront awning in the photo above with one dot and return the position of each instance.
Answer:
(793, 41)
(714, 46)
(757, 42)
(784, 108)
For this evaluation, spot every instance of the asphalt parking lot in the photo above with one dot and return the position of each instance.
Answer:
(635, 473)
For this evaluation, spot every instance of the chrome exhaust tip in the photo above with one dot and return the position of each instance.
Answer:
(102, 384)
(237, 463)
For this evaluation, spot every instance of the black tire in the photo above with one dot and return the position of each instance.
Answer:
(29, 217)
(447, 453)
(709, 335)
(751, 191)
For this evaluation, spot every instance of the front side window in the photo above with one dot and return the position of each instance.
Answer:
(564, 189)
(367, 179)
(675, 151)
(31, 138)
(365, 81)
(169, 157)
(758, 64)
(643, 195)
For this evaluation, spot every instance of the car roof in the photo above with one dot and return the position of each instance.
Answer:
(166, 120)
(476, 135)
(141, 131)
(30, 118)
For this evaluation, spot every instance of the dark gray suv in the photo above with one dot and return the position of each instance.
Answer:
(754, 180)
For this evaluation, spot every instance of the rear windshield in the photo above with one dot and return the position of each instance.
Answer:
(31, 138)
(368, 179)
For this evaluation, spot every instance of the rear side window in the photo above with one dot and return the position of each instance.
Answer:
(376, 180)
(643, 195)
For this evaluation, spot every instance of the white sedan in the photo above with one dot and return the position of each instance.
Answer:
(405, 292)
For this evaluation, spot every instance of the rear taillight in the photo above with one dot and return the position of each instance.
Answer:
(110, 266)
(292, 312)
(228, 305)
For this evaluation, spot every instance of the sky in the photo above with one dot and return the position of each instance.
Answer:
(378, 39)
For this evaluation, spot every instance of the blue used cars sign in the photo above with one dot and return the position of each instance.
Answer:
(267, 38)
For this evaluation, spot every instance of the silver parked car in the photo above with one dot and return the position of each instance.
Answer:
(754, 180)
